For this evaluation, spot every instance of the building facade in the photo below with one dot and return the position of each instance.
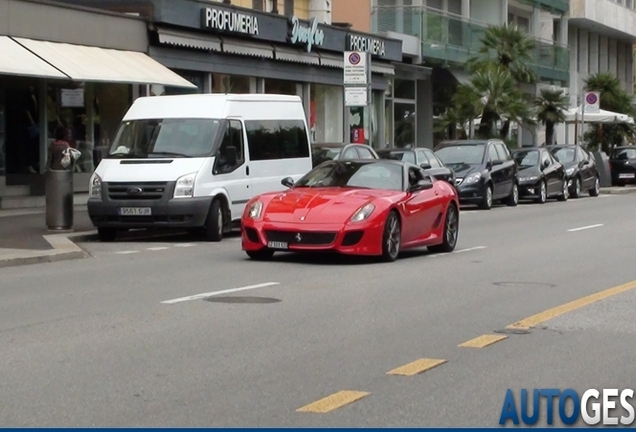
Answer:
(65, 69)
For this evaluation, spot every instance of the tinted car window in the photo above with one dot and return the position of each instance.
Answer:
(276, 139)
(564, 154)
(492, 153)
(545, 159)
(365, 153)
(356, 175)
(400, 155)
(502, 151)
(432, 160)
(624, 154)
(526, 158)
(350, 153)
(472, 154)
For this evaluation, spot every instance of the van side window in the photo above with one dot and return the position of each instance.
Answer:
(230, 155)
(276, 139)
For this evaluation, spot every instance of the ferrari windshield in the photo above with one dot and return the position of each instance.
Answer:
(376, 175)
(564, 154)
(526, 158)
(165, 138)
(462, 154)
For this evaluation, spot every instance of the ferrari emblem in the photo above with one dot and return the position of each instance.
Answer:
(298, 237)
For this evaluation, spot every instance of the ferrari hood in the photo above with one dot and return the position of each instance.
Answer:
(320, 205)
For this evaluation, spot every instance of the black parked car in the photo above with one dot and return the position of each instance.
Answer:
(623, 165)
(484, 171)
(580, 168)
(423, 158)
(323, 152)
(541, 176)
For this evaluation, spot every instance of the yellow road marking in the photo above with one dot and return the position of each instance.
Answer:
(542, 317)
(333, 402)
(417, 367)
(483, 341)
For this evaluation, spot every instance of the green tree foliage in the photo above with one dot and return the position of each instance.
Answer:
(551, 106)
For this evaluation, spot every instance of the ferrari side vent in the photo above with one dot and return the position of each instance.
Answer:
(352, 238)
(438, 220)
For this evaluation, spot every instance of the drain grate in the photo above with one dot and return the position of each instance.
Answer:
(524, 284)
(513, 331)
(242, 300)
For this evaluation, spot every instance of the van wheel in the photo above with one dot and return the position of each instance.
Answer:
(106, 234)
(213, 229)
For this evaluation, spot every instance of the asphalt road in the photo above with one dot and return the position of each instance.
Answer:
(116, 340)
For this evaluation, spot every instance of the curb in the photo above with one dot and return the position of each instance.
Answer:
(64, 249)
(618, 191)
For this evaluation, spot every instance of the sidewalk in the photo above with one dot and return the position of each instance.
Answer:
(615, 190)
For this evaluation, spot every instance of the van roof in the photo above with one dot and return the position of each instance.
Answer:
(217, 106)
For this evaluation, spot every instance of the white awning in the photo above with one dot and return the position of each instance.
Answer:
(188, 39)
(296, 56)
(93, 64)
(332, 60)
(382, 68)
(253, 49)
(17, 60)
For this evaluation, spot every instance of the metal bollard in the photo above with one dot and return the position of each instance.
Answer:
(59, 199)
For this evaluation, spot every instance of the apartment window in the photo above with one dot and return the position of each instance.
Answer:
(289, 8)
(522, 22)
(258, 5)
(435, 4)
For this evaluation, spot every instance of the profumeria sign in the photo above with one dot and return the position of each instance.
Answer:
(229, 21)
(309, 35)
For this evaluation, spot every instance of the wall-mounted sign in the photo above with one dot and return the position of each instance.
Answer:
(355, 68)
(229, 21)
(309, 36)
(371, 45)
(72, 98)
(356, 96)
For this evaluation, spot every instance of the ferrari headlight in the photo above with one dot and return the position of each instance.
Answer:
(255, 209)
(473, 178)
(185, 186)
(95, 187)
(363, 213)
(570, 171)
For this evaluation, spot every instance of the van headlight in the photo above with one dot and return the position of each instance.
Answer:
(255, 209)
(95, 187)
(363, 213)
(185, 186)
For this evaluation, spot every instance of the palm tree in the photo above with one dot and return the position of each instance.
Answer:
(551, 105)
(513, 49)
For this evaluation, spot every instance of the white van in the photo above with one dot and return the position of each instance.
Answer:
(194, 161)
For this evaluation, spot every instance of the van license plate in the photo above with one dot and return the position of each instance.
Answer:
(277, 245)
(135, 211)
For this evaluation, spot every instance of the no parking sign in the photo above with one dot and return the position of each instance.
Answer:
(592, 102)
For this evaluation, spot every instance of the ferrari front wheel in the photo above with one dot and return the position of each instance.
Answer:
(391, 238)
(260, 255)
(451, 232)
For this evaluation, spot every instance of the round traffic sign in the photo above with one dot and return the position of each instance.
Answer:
(354, 58)
(591, 99)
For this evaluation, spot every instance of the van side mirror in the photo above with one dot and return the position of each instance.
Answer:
(231, 156)
(287, 182)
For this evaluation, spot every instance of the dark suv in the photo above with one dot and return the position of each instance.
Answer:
(485, 171)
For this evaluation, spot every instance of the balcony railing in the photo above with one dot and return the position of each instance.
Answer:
(452, 38)
(556, 6)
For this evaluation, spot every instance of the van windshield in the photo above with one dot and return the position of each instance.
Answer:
(158, 138)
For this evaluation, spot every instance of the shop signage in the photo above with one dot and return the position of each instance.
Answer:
(308, 35)
(356, 96)
(355, 67)
(229, 21)
(371, 45)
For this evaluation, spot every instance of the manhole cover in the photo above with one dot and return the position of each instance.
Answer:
(243, 300)
(513, 331)
(524, 284)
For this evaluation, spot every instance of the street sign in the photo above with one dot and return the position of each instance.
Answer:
(356, 96)
(355, 68)
(592, 102)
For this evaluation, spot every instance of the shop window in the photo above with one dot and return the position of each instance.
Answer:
(404, 89)
(276, 139)
(3, 158)
(326, 114)
(196, 78)
(404, 120)
(230, 84)
(282, 87)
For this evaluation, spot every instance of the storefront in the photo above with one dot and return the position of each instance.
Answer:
(223, 48)
(69, 70)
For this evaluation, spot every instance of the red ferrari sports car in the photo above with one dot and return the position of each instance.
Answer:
(357, 207)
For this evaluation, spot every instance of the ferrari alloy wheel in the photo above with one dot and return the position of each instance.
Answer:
(576, 187)
(260, 255)
(543, 193)
(596, 190)
(513, 199)
(565, 191)
(451, 232)
(392, 238)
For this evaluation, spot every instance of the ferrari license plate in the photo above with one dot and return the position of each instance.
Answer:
(135, 211)
(277, 245)
(627, 175)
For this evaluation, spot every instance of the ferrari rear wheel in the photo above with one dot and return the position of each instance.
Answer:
(392, 238)
(451, 232)
(260, 255)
